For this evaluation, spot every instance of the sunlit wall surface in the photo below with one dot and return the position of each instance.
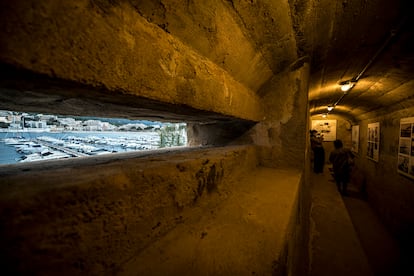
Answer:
(29, 137)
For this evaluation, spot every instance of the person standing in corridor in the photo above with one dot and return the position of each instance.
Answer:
(318, 151)
(342, 160)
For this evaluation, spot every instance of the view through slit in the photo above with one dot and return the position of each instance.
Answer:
(29, 137)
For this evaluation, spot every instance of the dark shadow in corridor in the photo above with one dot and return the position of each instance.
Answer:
(379, 246)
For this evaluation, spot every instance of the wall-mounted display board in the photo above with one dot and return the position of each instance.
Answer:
(355, 138)
(373, 141)
(325, 127)
(406, 147)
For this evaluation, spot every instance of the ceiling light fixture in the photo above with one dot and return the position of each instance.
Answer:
(347, 85)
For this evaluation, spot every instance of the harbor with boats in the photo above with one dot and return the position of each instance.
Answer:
(28, 137)
(36, 146)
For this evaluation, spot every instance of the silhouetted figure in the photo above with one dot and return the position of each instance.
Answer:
(318, 151)
(341, 160)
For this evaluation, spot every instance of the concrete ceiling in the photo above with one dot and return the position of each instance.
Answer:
(254, 41)
(371, 40)
(368, 40)
(342, 38)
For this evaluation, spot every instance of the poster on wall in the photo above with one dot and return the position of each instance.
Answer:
(355, 138)
(373, 141)
(406, 147)
(325, 127)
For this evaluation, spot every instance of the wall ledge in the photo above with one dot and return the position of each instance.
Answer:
(246, 234)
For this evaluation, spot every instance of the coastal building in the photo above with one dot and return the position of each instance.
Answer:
(37, 124)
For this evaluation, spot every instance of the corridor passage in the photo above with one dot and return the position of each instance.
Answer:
(346, 237)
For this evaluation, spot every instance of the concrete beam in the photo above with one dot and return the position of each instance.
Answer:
(113, 48)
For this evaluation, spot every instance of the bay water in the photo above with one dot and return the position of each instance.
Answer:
(9, 155)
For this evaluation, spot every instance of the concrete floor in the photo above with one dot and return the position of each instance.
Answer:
(347, 238)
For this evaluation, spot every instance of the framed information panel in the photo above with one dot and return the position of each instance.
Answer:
(406, 147)
(325, 127)
(373, 141)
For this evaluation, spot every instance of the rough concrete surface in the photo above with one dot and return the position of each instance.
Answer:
(388, 192)
(245, 235)
(112, 46)
(218, 59)
(94, 216)
(280, 134)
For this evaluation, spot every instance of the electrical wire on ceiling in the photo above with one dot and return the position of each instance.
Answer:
(347, 85)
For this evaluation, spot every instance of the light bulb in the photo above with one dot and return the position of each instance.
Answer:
(330, 108)
(347, 85)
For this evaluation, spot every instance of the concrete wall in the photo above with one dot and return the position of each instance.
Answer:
(146, 59)
(390, 193)
(150, 56)
(151, 213)
(90, 216)
(280, 136)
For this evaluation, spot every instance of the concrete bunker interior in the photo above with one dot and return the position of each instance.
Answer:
(253, 73)
(186, 183)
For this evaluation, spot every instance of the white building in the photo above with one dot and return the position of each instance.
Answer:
(37, 124)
